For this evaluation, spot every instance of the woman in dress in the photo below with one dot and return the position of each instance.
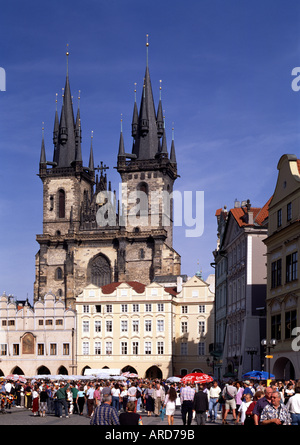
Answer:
(35, 400)
(148, 394)
(170, 404)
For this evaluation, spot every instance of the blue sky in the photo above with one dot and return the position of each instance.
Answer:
(225, 67)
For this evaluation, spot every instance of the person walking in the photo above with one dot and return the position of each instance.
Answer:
(115, 392)
(149, 399)
(43, 401)
(201, 405)
(170, 404)
(214, 392)
(61, 397)
(187, 395)
(229, 394)
(35, 400)
(105, 414)
(90, 399)
(159, 398)
(80, 400)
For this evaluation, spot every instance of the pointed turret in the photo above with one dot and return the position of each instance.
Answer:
(160, 117)
(121, 153)
(172, 153)
(91, 160)
(135, 118)
(78, 138)
(43, 151)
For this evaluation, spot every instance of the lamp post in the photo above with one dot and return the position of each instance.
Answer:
(252, 351)
(268, 345)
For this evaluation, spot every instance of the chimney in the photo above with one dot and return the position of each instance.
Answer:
(179, 284)
(249, 212)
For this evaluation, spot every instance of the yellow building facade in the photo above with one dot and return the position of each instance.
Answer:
(152, 330)
(283, 289)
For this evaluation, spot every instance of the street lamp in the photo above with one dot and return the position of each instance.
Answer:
(252, 351)
(268, 346)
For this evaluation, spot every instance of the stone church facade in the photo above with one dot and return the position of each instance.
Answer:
(90, 237)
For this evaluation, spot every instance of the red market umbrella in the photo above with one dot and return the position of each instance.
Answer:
(196, 377)
(130, 375)
(16, 377)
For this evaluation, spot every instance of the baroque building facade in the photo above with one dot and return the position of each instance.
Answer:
(151, 330)
(91, 237)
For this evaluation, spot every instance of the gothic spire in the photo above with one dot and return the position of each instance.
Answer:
(91, 161)
(172, 153)
(78, 155)
(43, 151)
(121, 143)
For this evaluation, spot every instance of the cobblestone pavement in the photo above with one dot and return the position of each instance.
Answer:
(22, 416)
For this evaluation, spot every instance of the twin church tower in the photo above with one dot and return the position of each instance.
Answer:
(76, 247)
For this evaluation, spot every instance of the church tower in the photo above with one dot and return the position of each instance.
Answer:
(148, 174)
(76, 248)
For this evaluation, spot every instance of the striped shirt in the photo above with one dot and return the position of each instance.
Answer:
(187, 393)
(105, 415)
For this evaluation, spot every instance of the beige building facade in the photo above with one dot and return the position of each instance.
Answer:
(283, 289)
(36, 340)
(152, 330)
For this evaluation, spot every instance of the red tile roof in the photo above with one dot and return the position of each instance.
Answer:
(259, 214)
(110, 288)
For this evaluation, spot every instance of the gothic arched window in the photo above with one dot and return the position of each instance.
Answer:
(61, 203)
(100, 271)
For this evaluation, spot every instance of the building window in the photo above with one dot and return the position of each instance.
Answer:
(148, 307)
(201, 327)
(135, 308)
(148, 347)
(85, 348)
(160, 326)
(183, 348)
(135, 325)
(184, 309)
(184, 328)
(53, 349)
(195, 294)
(49, 322)
(58, 274)
(41, 349)
(279, 218)
(109, 308)
(202, 308)
(108, 348)
(148, 325)
(124, 348)
(124, 325)
(109, 326)
(291, 267)
(16, 349)
(276, 326)
(61, 203)
(201, 348)
(135, 348)
(97, 348)
(11, 322)
(86, 326)
(290, 322)
(66, 349)
(160, 307)
(86, 308)
(289, 211)
(59, 322)
(98, 308)
(124, 308)
(276, 268)
(97, 326)
(160, 347)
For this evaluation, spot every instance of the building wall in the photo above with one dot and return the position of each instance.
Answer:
(283, 297)
(172, 318)
(38, 337)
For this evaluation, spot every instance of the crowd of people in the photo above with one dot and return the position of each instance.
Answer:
(112, 402)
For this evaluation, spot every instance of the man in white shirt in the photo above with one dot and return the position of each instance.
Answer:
(293, 406)
(214, 392)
